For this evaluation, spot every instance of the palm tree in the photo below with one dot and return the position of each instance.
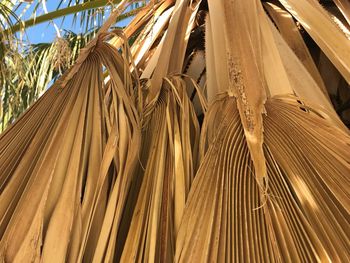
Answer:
(201, 132)
(30, 68)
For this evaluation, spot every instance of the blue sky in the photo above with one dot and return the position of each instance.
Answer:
(46, 32)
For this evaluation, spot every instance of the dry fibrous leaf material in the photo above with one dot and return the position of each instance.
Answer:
(290, 33)
(304, 215)
(230, 215)
(72, 158)
(324, 32)
(344, 7)
(169, 153)
(169, 160)
(108, 168)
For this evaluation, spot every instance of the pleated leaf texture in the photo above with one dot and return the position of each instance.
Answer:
(211, 139)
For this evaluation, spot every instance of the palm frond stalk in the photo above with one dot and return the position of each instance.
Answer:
(211, 139)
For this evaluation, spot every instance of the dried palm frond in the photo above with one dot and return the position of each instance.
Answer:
(169, 154)
(115, 164)
(169, 159)
(71, 137)
(304, 215)
(292, 36)
(324, 31)
(68, 196)
(230, 215)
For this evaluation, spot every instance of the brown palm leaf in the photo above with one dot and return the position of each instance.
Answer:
(115, 163)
